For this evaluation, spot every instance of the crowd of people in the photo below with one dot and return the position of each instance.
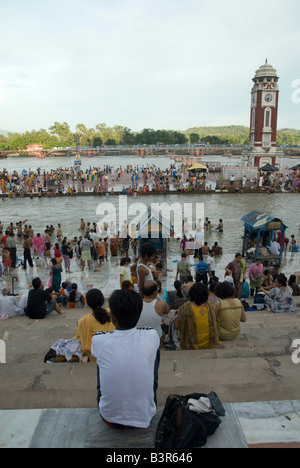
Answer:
(136, 180)
(125, 337)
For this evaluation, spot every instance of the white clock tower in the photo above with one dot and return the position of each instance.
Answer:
(263, 119)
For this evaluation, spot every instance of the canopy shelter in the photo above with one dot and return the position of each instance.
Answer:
(295, 168)
(155, 229)
(268, 168)
(198, 167)
(261, 230)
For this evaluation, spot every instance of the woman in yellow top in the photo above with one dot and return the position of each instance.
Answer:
(99, 320)
(230, 312)
(196, 320)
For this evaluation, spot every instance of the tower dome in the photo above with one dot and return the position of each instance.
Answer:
(266, 71)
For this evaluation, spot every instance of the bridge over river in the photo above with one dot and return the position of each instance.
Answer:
(171, 151)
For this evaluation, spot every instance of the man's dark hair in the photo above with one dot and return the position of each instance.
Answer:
(224, 290)
(36, 283)
(199, 293)
(126, 305)
(149, 287)
(147, 249)
(282, 279)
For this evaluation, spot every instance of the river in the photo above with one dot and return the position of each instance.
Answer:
(69, 210)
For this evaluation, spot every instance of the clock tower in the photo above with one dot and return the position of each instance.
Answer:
(263, 118)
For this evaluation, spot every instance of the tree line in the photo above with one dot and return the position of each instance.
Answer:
(60, 135)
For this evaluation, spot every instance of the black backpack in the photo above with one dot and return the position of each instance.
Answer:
(179, 427)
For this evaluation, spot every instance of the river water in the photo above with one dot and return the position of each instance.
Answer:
(69, 210)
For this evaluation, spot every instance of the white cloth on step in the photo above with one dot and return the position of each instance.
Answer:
(203, 405)
(67, 348)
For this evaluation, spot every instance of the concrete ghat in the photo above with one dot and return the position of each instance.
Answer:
(17, 427)
(270, 421)
(244, 424)
(255, 367)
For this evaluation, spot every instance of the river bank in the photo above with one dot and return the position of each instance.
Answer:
(108, 194)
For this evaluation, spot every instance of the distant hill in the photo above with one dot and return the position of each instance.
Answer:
(222, 131)
(4, 132)
(238, 134)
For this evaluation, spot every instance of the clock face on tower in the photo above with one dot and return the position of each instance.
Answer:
(268, 97)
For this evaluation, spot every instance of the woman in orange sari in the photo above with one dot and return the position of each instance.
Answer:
(89, 325)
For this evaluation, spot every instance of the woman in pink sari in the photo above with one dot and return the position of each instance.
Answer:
(39, 244)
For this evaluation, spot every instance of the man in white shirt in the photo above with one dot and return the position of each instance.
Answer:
(274, 248)
(9, 304)
(85, 247)
(128, 360)
(94, 238)
(211, 262)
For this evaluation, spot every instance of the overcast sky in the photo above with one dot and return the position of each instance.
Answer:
(161, 64)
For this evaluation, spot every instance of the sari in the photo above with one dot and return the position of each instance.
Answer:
(197, 326)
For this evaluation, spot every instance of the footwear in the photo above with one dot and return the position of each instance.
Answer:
(216, 403)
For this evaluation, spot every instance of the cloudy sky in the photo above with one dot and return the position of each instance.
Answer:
(144, 63)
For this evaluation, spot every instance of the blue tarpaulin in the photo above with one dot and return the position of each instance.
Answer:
(261, 229)
(259, 221)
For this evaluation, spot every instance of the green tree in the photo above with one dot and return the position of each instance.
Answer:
(118, 133)
(16, 141)
(128, 137)
(3, 143)
(194, 138)
(63, 133)
(104, 132)
(180, 138)
(97, 141)
(111, 142)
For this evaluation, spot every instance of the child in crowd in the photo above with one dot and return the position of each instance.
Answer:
(125, 273)
(57, 251)
(75, 298)
(6, 260)
(63, 293)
